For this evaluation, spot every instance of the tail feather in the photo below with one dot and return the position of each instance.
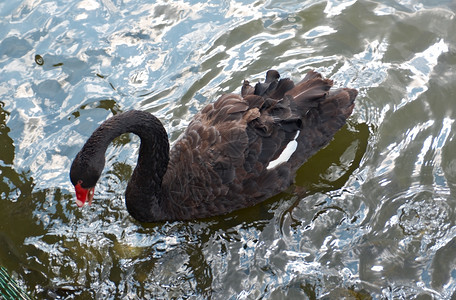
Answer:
(311, 102)
(272, 87)
(310, 91)
(340, 103)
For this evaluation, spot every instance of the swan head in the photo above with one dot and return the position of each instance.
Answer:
(84, 175)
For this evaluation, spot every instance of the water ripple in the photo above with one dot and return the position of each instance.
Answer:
(371, 215)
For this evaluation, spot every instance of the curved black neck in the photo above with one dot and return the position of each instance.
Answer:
(144, 196)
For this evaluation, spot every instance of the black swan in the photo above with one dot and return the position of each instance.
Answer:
(235, 153)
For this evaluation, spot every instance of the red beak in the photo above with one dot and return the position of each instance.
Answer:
(83, 195)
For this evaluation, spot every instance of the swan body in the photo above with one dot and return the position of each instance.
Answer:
(235, 153)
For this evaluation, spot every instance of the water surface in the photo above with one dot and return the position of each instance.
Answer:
(370, 216)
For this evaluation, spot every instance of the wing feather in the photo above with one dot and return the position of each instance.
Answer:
(222, 157)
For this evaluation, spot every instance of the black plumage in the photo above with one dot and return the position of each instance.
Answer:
(235, 153)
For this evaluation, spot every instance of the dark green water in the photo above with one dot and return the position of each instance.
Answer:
(371, 216)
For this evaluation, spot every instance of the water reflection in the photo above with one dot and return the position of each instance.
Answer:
(13, 185)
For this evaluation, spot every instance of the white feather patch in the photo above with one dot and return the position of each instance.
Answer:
(286, 153)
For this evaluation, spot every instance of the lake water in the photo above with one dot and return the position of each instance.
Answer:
(370, 216)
